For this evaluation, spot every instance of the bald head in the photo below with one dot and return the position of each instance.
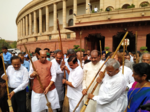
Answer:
(146, 58)
(42, 56)
(78, 55)
(94, 52)
(42, 52)
(94, 57)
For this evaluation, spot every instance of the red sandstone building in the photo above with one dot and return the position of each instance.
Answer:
(108, 25)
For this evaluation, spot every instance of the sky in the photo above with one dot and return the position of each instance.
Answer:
(9, 10)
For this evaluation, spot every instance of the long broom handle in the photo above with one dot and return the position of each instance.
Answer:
(35, 70)
(9, 101)
(5, 74)
(91, 83)
(123, 58)
(96, 85)
(100, 48)
(80, 48)
(61, 45)
(136, 46)
(104, 62)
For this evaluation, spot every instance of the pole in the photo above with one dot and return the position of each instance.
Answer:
(65, 107)
(81, 48)
(48, 103)
(9, 100)
(136, 46)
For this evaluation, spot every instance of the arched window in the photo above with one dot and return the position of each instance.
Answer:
(144, 4)
(125, 6)
(109, 8)
(70, 22)
(70, 12)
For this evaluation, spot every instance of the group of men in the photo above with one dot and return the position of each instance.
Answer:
(110, 94)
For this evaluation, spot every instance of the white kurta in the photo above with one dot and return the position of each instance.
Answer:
(75, 94)
(129, 79)
(58, 83)
(90, 70)
(38, 100)
(111, 96)
(128, 76)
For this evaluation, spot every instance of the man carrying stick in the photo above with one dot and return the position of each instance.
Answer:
(90, 69)
(74, 83)
(18, 78)
(45, 70)
(111, 94)
(57, 62)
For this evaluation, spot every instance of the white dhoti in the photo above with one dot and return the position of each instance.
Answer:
(38, 101)
(73, 103)
(91, 107)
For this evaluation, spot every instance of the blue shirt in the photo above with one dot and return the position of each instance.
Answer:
(7, 58)
(26, 64)
(66, 63)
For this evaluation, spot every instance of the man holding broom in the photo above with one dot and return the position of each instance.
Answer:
(45, 70)
(18, 78)
(90, 70)
(57, 62)
(111, 96)
(74, 83)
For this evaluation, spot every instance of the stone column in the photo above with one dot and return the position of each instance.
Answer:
(40, 20)
(55, 17)
(102, 4)
(26, 25)
(87, 7)
(23, 27)
(74, 11)
(64, 14)
(30, 24)
(20, 28)
(35, 23)
(47, 18)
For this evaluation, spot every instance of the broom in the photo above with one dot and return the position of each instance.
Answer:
(80, 48)
(48, 103)
(91, 83)
(102, 76)
(65, 107)
(9, 100)
(123, 58)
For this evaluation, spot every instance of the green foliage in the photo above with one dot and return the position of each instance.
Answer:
(131, 6)
(143, 48)
(145, 4)
(145, 51)
(101, 9)
(107, 48)
(4, 43)
(77, 48)
(108, 9)
(13, 45)
(93, 11)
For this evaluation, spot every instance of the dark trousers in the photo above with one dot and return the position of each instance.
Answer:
(4, 104)
(18, 101)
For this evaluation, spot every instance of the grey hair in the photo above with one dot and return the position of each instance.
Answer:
(70, 51)
(141, 57)
(114, 63)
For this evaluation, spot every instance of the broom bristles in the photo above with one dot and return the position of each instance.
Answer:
(65, 105)
(49, 107)
(10, 105)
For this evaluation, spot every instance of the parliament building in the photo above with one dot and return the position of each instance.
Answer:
(88, 20)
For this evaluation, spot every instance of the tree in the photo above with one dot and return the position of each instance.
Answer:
(4, 43)
(13, 45)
